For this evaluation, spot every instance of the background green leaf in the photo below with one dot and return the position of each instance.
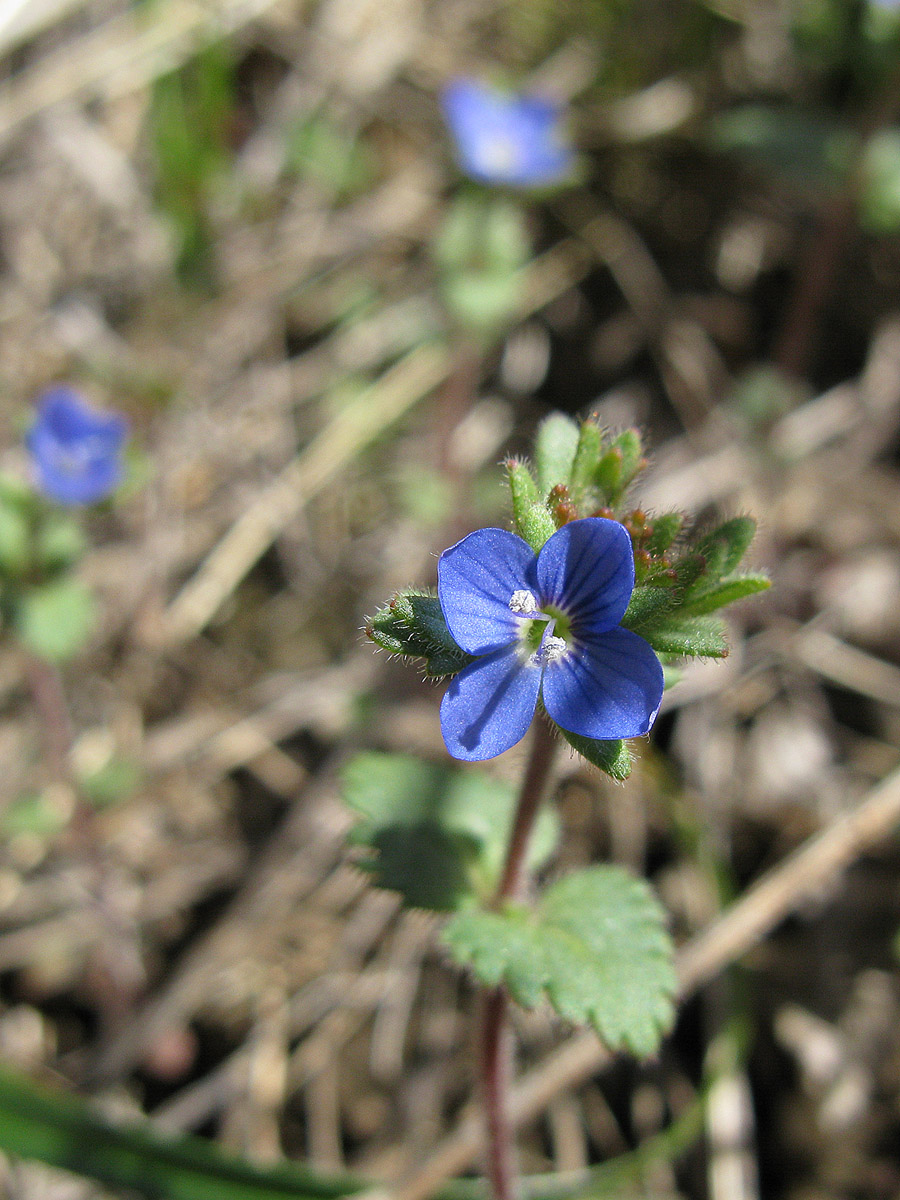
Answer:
(55, 620)
(439, 833)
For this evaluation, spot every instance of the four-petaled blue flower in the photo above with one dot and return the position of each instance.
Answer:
(544, 624)
(506, 139)
(76, 450)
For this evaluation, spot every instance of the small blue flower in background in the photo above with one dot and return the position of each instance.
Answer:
(545, 624)
(506, 139)
(76, 450)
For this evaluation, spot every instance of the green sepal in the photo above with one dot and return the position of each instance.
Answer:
(736, 587)
(413, 624)
(55, 619)
(666, 528)
(613, 757)
(554, 451)
(694, 637)
(588, 453)
(438, 835)
(531, 517)
(596, 945)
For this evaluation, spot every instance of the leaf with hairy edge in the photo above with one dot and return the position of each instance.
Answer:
(727, 591)
(413, 624)
(613, 757)
(697, 637)
(438, 834)
(596, 945)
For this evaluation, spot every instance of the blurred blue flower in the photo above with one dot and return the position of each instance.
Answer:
(76, 450)
(506, 139)
(548, 625)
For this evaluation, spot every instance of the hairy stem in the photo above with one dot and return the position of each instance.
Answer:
(496, 1040)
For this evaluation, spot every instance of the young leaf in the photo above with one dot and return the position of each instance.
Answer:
(439, 834)
(596, 945)
(647, 605)
(727, 592)
(666, 528)
(56, 619)
(413, 624)
(724, 547)
(697, 637)
(554, 451)
(613, 757)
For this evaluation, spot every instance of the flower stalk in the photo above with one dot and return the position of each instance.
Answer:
(496, 1048)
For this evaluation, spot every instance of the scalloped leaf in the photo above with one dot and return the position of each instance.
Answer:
(597, 946)
(438, 834)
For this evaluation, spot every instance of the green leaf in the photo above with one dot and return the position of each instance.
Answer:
(554, 451)
(134, 1157)
(413, 624)
(736, 587)
(596, 945)
(38, 813)
(55, 620)
(805, 147)
(439, 833)
(481, 300)
(15, 541)
(724, 547)
(698, 637)
(612, 757)
(60, 543)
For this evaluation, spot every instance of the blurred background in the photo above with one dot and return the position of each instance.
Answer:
(216, 217)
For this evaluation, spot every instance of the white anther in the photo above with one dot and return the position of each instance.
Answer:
(524, 603)
(550, 650)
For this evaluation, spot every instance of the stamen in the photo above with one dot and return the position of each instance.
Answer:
(551, 648)
(524, 603)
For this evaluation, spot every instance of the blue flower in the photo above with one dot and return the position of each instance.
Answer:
(505, 139)
(76, 450)
(548, 625)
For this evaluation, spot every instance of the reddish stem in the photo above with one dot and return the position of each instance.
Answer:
(496, 1041)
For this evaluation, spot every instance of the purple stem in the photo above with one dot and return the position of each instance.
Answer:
(496, 1042)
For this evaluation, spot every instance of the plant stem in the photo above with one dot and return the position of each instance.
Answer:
(50, 701)
(496, 1042)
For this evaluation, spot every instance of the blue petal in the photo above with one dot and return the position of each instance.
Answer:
(587, 569)
(64, 414)
(505, 139)
(75, 449)
(476, 580)
(608, 686)
(489, 705)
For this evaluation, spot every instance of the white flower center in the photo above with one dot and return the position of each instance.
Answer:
(539, 642)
